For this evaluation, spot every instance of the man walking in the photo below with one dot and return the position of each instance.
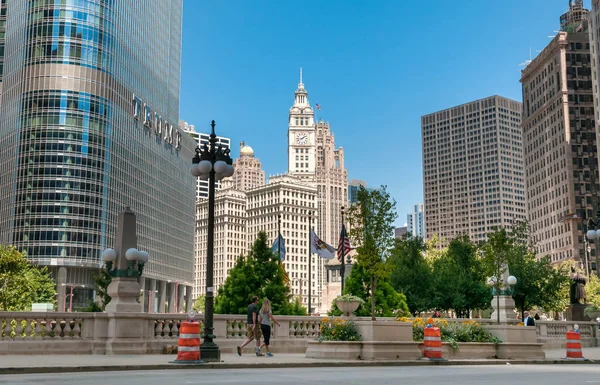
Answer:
(252, 328)
(527, 320)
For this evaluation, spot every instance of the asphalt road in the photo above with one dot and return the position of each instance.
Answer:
(463, 375)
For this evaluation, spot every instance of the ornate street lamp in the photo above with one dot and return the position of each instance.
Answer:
(212, 164)
(591, 235)
(502, 287)
(135, 262)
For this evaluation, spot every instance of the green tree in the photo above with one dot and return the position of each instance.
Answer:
(388, 302)
(199, 303)
(495, 252)
(432, 249)
(258, 274)
(372, 231)
(460, 279)
(411, 274)
(21, 283)
(296, 308)
(538, 282)
(101, 281)
(592, 289)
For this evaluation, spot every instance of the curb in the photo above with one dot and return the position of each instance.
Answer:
(283, 365)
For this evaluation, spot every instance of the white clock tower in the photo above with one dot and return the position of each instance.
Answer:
(301, 136)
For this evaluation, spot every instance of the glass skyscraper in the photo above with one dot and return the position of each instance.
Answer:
(89, 125)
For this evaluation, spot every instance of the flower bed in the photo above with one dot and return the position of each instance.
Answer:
(338, 330)
(453, 333)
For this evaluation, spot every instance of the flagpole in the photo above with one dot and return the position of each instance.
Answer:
(279, 238)
(342, 266)
(309, 268)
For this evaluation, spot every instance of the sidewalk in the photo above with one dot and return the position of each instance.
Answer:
(11, 364)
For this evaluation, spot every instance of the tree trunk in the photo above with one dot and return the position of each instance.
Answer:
(372, 297)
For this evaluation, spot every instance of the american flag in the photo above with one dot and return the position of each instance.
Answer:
(346, 244)
(318, 106)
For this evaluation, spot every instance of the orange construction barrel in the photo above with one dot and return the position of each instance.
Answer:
(432, 343)
(574, 345)
(188, 349)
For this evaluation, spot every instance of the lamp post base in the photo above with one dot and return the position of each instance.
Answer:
(507, 304)
(209, 352)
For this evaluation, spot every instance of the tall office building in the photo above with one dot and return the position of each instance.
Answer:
(202, 139)
(88, 126)
(473, 168)
(294, 201)
(301, 135)
(559, 138)
(415, 221)
(240, 216)
(312, 157)
(230, 237)
(248, 172)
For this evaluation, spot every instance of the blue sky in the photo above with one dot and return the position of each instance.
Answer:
(375, 67)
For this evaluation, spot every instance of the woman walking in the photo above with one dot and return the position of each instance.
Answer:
(266, 316)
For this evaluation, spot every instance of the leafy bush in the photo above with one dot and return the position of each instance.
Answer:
(349, 298)
(338, 330)
(453, 333)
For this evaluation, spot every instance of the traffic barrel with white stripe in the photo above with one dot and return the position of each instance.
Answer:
(188, 348)
(432, 343)
(574, 345)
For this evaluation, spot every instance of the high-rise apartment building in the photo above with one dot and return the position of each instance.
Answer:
(559, 138)
(400, 231)
(230, 237)
(473, 168)
(415, 221)
(88, 126)
(248, 172)
(202, 139)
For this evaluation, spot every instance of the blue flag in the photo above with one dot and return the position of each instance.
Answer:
(279, 247)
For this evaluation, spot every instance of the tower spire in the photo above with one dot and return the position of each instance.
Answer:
(300, 75)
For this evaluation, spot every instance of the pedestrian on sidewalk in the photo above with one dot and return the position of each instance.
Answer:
(266, 316)
(252, 328)
(527, 320)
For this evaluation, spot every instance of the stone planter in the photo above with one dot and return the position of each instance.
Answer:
(347, 307)
(340, 350)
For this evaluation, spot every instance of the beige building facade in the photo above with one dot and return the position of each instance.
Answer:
(248, 172)
(313, 157)
(295, 202)
(201, 139)
(231, 239)
(559, 137)
(473, 176)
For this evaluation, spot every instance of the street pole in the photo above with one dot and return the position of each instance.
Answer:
(587, 257)
(498, 293)
(209, 351)
(343, 265)
(176, 304)
(71, 301)
(309, 269)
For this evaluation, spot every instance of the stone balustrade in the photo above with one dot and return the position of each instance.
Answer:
(93, 333)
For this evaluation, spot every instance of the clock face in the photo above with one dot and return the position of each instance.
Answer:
(301, 138)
